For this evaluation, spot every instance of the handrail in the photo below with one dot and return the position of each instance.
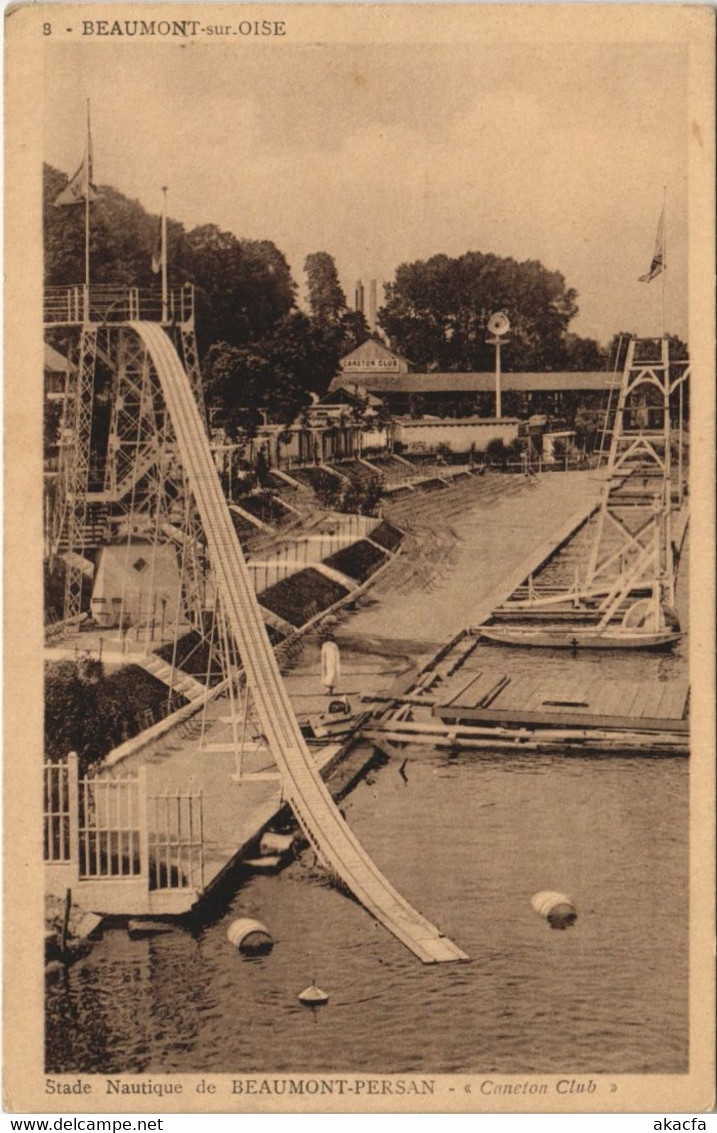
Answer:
(117, 303)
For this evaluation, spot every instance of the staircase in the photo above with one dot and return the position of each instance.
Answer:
(95, 530)
(175, 679)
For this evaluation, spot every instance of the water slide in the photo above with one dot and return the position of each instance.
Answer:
(322, 824)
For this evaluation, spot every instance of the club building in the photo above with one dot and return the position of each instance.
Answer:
(458, 409)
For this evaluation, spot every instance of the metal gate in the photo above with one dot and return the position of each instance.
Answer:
(108, 828)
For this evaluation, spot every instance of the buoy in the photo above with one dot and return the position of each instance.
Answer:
(250, 936)
(557, 908)
(273, 843)
(267, 863)
(313, 996)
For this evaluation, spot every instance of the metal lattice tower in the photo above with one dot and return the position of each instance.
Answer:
(142, 492)
(634, 524)
(630, 576)
(77, 430)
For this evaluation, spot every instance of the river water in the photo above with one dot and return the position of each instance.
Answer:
(467, 840)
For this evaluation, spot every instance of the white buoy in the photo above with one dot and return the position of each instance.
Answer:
(557, 908)
(313, 996)
(250, 936)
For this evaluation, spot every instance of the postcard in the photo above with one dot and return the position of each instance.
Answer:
(359, 559)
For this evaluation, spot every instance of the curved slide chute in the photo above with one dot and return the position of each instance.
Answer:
(326, 830)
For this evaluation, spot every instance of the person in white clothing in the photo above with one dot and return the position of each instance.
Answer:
(330, 665)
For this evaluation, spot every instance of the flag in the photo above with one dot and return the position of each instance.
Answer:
(658, 256)
(80, 187)
(157, 250)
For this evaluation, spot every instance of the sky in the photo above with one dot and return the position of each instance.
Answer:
(382, 154)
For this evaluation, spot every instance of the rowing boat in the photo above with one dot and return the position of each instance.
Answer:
(581, 637)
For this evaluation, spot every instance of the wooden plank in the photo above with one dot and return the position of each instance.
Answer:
(644, 699)
(484, 684)
(489, 697)
(515, 694)
(674, 700)
(457, 687)
(532, 699)
(565, 697)
(462, 657)
(605, 697)
(624, 694)
(660, 692)
(519, 717)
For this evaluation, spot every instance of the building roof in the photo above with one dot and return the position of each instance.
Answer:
(372, 357)
(54, 361)
(392, 382)
(343, 395)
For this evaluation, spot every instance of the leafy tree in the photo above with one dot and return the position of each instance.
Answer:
(583, 354)
(436, 312)
(327, 302)
(497, 452)
(353, 331)
(588, 425)
(90, 712)
(244, 287)
(299, 347)
(336, 330)
(122, 237)
(249, 386)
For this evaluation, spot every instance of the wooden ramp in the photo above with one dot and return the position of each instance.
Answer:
(490, 697)
(322, 824)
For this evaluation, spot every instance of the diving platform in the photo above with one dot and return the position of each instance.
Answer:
(117, 304)
(496, 698)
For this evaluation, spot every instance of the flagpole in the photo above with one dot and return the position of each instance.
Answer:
(164, 254)
(664, 252)
(88, 160)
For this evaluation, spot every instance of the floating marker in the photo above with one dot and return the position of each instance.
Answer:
(273, 843)
(313, 996)
(557, 908)
(250, 936)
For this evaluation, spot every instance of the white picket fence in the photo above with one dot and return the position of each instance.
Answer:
(103, 832)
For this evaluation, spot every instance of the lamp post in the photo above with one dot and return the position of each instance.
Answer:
(498, 325)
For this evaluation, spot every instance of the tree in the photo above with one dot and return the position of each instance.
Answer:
(244, 287)
(353, 331)
(497, 452)
(122, 236)
(248, 385)
(336, 330)
(436, 312)
(583, 354)
(298, 347)
(327, 302)
(588, 426)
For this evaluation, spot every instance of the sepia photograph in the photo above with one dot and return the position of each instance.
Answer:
(359, 633)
